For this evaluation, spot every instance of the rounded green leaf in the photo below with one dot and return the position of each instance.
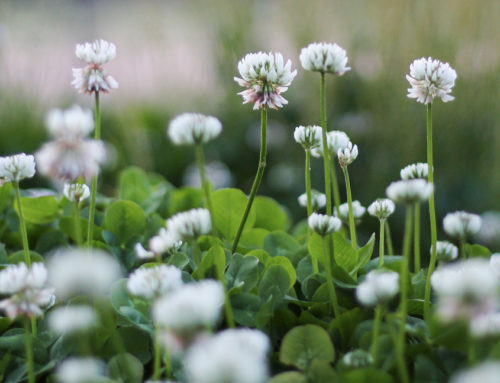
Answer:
(134, 185)
(269, 214)
(126, 368)
(40, 209)
(184, 199)
(124, 219)
(286, 264)
(275, 283)
(228, 208)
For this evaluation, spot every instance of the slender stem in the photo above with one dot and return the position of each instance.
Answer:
(416, 239)
(403, 372)
(326, 159)
(335, 187)
(157, 356)
(462, 248)
(28, 343)
(205, 184)
(329, 278)
(167, 359)
(77, 226)
(432, 215)
(227, 302)
(314, 261)
(381, 244)
(376, 332)
(471, 352)
(258, 176)
(352, 225)
(22, 226)
(390, 250)
(93, 187)
(197, 255)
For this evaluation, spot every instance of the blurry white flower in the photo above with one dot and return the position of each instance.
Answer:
(17, 167)
(324, 58)
(79, 271)
(486, 325)
(429, 79)
(190, 224)
(409, 191)
(190, 308)
(72, 123)
(141, 252)
(318, 200)
(76, 192)
(358, 211)
(335, 139)
(495, 263)
(308, 136)
(266, 76)
(93, 77)
(418, 170)
(323, 224)
(80, 370)
(166, 241)
(231, 356)
(72, 319)
(488, 372)
(489, 233)
(445, 251)
(348, 154)
(193, 128)
(378, 287)
(465, 289)
(27, 290)
(151, 282)
(381, 208)
(358, 359)
(217, 172)
(461, 224)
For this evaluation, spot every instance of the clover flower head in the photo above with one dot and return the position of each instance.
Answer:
(216, 171)
(409, 191)
(324, 58)
(141, 252)
(323, 224)
(165, 241)
(233, 356)
(382, 208)
(445, 251)
(336, 140)
(72, 319)
(80, 370)
(76, 192)
(17, 167)
(308, 136)
(357, 359)
(347, 155)
(461, 224)
(97, 52)
(418, 170)
(430, 79)
(484, 326)
(266, 76)
(318, 200)
(71, 123)
(193, 128)
(190, 224)
(495, 263)
(487, 372)
(358, 211)
(489, 234)
(378, 287)
(151, 282)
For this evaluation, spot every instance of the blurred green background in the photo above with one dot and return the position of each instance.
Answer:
(178, 56)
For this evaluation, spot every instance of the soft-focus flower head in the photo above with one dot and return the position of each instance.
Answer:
(488, 372)
(461, 224)
(495, 263)
(141, 252)
(266, 76)
(17, 167)
(308, 136)
(430, 79)
(97, 52)
(347, 155)
(409, 191)
(323, 224)
(80, 370)
(358, 211)
(357, 359)
(151, 282)
(489, 234)
(165, 242)
(72, 319)
(378, 287)
(190, 224)
(445, 251)
(231, 356)
(336, 140)
(193, 128)
(70, 124)
(76, 192)
(418, 170)
(216, 171)
(318, 200)
(381, 208)
(485, 326)
(324, 58)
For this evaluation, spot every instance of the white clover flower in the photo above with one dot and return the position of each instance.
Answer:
(348, 154)
(308, 136)
(231, 356)
(358, 211)
(151, 282)
(193, 128)
(76, 192)
(80, 370)
(336, 140)
(358, 359)
(191, 307)
(72, 319)
(484, 326)
(27, 290)
(381, 208)
(495, 263)
(17, 167)
(166, 241)
(318, 200)
(430, 79)
(323, 224)
(445, 251)
(93, 77)
(418, 170)
(77, 271)
(266, 76)
(324, 58)
(190, 224)
(141, 252)
(465, 289)
(378, 287)
(71, 123)
(217, 172)
(409, 191)
(489, 233)
(487, 372)
(461, 224)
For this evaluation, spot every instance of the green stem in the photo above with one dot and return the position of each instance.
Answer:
(329, 278)
(376, 332)
(197, 255)
(93, 187)
(205, 185)
(227, 302)
(326, 159)
(390, 250)
(471, 352)
(462, 248)
(416, 239)
(157, 357)
(77, 226)
(314, 261)
(28, 343)
(167, 359)
(381, 244)
(258, 176)
(335, 185)
(403, 372)
(432, 215)
(352, 225)
(22, 226)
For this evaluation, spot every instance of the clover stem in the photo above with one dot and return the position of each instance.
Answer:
(335, 186)
(28, 343)
(77, 226)
(326, 160)
(416, 239)
(93, 187)
(22, 226)
(314, 261)
(390, 250)
(157, 356)
(329, 278)
(352, 225)
(381, 244)
(376, 331)
(462, 248)
(205, 184)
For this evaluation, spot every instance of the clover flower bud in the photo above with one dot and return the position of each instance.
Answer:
(17, 167)
(378, 287)
(308, 136)
(323, 224)
(418, 170)
(461, 224)
(409, 191)
(76, 192)
(324, 58)
(358, 211)
(347, 155)
(165, 242)
(151, 282)
(445, 251)
(336, 140)
(193, 128)
(318, 200)
(382, 208)
(190, 224)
